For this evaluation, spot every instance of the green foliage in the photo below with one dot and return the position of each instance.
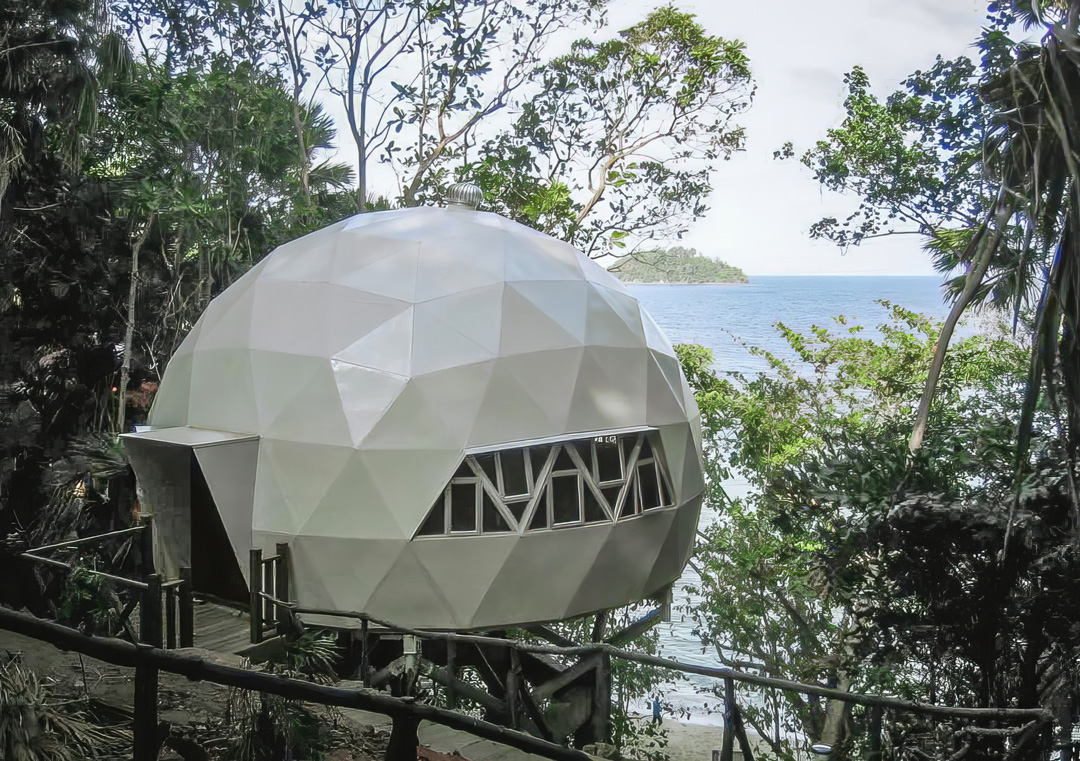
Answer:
(676, 265)
(648, 112)
(981, 160)
(314, 654)
(807, 576)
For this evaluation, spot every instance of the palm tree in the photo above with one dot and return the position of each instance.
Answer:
(1031, 236)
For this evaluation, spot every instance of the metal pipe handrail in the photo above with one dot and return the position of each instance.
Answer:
(67, 566)
(1001, 714)
(87, 539)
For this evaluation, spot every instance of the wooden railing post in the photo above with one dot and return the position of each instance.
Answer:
(281, 587)
(403, 740)
(150, 612)
(875, 734)
(170, 617)
(512, 691)
(727, 749)
(145, 721)
(255, 575)
(451, 668)
(187, 609)
(365, 677)
(601, 719)
(146, 544)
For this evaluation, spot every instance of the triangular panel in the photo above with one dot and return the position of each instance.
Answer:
(464, 584)
(229, 470)
(408, 596)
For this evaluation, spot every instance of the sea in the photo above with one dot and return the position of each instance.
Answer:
(728, 319)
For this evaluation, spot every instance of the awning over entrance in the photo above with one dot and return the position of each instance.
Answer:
(199, 486)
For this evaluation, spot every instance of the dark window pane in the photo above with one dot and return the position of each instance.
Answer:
(628, 445)
(565, 506)
(464, 471)
(563, 461)
(665, 495)
(434, 524)
(487, 463)
(518, 509)
(539, 519)
(650, 491)
(593, 512)
(631, 507)
(612, 495)
(463, 507)
(513, 470)
(539, 456)
(607, 461)
(646, 449)
(494, 523)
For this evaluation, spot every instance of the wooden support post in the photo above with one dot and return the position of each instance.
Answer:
(187, 609)
(365, 677)
(532, 710)
(146, 545)
(727, 750)
(170, 617)
(145, 722)
(255, 597)
(281, 587)
(874, 730)
(601, 713)
(267, 609)
(150, 612)
(403, 740)
(451, 667)
(512, 678)
(740, 734)
(599, 626)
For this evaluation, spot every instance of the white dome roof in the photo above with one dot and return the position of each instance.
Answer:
(371, 356)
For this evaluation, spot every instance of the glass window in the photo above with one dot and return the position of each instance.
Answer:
(630, 504)
(540, 517)
(586, 479)
(565, 499)
(608, 461)
(650, 490)
(487, 463)
(594, 513)
(563, 461)
(463, 506)
(538, 456)
(514, 479)
(517, 509)
(435, 523)
(611, 494)
(493, 521)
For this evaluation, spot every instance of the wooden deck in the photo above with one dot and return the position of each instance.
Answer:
(220, 629)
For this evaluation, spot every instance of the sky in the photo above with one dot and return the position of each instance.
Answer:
(761, 209)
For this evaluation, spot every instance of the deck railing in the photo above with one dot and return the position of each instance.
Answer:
(165, 608)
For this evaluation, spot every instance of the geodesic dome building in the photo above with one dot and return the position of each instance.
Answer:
(453, 420)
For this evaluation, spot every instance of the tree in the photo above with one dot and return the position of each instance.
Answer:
(620, 137)
(831, 568)
(985, 166)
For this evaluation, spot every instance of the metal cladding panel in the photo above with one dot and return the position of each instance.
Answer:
(370, 356)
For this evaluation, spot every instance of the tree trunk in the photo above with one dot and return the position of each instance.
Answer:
(129, 330)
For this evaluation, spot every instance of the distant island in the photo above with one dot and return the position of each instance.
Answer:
(676, 265)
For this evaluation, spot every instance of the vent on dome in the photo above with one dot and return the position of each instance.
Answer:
(553, 486)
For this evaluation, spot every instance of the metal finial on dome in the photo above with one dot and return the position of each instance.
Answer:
(464, 194)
